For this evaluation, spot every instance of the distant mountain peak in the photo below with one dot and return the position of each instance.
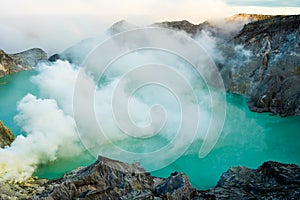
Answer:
(179, 25)
(121, 26)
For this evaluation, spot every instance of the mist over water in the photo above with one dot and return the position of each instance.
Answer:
(247, 139)
(49, 144)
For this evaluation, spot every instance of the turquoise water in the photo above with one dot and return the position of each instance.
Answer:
(247, 139)
(12, 89)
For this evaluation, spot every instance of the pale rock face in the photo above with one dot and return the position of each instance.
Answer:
(6, 136)
(6, 63)
(2, 68)
(11, 63)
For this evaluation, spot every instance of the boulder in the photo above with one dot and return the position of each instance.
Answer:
(272, 180)
(112, 179)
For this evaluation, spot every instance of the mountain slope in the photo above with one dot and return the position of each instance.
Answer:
(270, 74)
(12, 63)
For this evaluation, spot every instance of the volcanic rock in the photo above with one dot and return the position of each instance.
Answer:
(11, 63)
(272, 75)
(111, 179)
(6, 135)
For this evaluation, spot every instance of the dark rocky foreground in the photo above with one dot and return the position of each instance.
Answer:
(12, 63)
(111, 179)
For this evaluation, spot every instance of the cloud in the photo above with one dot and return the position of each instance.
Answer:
(54, 25)
(151, 8)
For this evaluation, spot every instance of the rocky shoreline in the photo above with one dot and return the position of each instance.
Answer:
(108, 178)
(112, 179)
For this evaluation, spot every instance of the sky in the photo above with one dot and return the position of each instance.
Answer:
(265, 3)
(56, 24)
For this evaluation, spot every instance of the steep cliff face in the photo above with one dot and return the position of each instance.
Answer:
(7, 64)
(6, 135)
(270, 72)
(11, 63)
(271, 75)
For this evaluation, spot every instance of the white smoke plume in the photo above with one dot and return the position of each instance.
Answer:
(49, 135)
(50, 127)
(48, 119)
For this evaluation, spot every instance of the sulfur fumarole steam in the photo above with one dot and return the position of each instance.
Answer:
(48, 124)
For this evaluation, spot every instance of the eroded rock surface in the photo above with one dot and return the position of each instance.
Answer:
(271, 77)
(111, 179)
(261, 61)
(12, 63)
(272, 180)
(22, 190)
(6, 135)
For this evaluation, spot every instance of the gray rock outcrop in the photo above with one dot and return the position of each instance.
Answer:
(272, 180)
(269, 75)
(111, 179)
(273, 74)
